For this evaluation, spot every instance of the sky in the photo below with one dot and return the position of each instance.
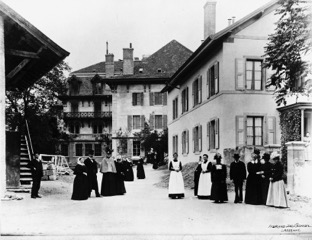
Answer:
(82, 27)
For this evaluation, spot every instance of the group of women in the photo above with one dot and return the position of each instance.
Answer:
(114, 175)
(264, 183)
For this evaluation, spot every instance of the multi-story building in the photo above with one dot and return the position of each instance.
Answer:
(218, 100)
(110, 101)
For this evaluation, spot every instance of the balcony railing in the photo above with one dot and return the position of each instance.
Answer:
(88, 114)
(93, 137)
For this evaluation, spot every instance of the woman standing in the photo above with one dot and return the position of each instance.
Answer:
(109, 179)
(265, 173)
(197, 173)
(204, 183)
(81, 184)
(120, 176)
(176, 184)
(140, 170)
(128, 170)
(253, 183)
(277, 196)
(218, 179)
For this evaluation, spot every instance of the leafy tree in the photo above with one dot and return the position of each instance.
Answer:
(39, 105)
(287, 46)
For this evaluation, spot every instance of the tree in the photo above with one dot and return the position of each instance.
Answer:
(39, 105)
(287, 46)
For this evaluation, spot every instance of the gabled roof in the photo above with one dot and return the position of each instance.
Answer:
(161, 64)
(29, 54)
(214, 41)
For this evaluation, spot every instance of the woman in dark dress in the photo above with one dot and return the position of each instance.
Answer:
(265, 172)
(218, 179)
(128, 170)
(253, 183)
(81, 184)
(140, 170)
(109, 179)
(196, 175)
(120, 184)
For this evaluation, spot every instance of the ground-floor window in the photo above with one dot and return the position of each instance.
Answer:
(88, 147)
(64, 149)
(78, 149)
(175, 144)
(185, 142)
(213, 134)
(197, 138)
(136, 148)
(97, 150)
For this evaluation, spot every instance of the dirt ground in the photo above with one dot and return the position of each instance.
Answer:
(146, 212)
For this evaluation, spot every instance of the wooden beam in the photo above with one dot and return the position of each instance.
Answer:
(18, 68)
(22, 53)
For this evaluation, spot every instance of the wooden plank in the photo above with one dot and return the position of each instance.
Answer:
(18, 68)
(21, 53)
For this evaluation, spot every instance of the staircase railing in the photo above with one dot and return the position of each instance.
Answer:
(29, 140)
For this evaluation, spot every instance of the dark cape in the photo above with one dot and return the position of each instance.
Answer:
(196, 178)
(265, 180)
(92, 170)
(218, 179)
(120, 175)
(81, 184)
(253, 193)
(140, 170)
(128, 171)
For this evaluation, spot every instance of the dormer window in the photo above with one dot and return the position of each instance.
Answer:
(97, 84)
(74, 85)
(159, 70)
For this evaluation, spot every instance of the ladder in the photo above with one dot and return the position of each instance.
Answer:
(25, 172)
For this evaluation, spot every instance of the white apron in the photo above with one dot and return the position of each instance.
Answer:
(176, 184)
(204, 183)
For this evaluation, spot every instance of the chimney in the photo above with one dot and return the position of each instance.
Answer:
(128, 64)
(233, 19)
(209, 18)
(229, 21)
(109, 63)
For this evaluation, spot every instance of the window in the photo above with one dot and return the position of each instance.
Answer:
(74, 86)
(97, 149)
(97, 128)
(74, 128)
(136, 122)
(97, 88)
(74, 107)
(175, 108)
(64, 149)
(213, 80)
(197, 91)
(175, 144)
(213, 134)
(185, 142)
(185, 100)
(250, 74)
(197, 138)
(88, 147)
(97, 107)
(254, 129)
(78, 149)
(136, 148)
(137, 99)
(158, 121)
(157, 98)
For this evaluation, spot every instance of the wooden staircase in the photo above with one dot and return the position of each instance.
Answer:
(25, 172)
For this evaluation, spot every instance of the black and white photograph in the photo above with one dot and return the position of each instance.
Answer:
(155, 119)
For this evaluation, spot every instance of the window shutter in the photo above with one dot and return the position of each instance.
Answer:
(240, 131)
(208, 135)
(217, 135)
(133, 99)
(187, 141)
(129, 122)
(239, 73)
(142, 121)
(129, 147)
(208, 82)
(187, 99)
(216, 74)
(142, 99)
(151, 99)
(183, 136)
(193, 93)
(164, 98)
(200, 138)
(193, 139)
(271, 133)
(152, 121)
(165, 121)
(200, 86)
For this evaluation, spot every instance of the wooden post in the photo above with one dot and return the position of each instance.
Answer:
(2, 112)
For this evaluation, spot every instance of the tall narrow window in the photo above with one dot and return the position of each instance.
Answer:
(158, 121)
(137, 99)
(197, 91)
(78, 148)
(88, 147)
(185, 142)
(97, 149)
(175, 108)
(158, 98)
(213, 80)
(185, 100)
(64, 149)
(136, 148)
(136, 121)
(175, 144)
(254, 129)
(253, 74)
(197, 138)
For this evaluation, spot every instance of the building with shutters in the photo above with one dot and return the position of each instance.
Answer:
(218, 100)
(109, 101)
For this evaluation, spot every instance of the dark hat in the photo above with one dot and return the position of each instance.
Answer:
(217, 156)
(236, 156)
(108, 151)
(266, 156)
(91, 152)
(256, 151)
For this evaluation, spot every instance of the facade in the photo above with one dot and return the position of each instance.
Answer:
(217, 100)
(110, 101)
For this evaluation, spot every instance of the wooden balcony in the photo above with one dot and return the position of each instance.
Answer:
(88, 114)
(90, 137)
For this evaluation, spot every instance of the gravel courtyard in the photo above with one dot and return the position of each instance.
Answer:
(145, 211)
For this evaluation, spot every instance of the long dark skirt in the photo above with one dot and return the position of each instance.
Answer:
(120, 184)
(265, 183)
(140, 171)
(80, 188)
(219, 191)
(253, 193)
(129, 174)
(109, 184)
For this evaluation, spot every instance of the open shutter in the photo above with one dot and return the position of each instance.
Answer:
(165, 120)
(216, 75)
(142, 121)
(187, 141)
(187, 99)
(183, 136)
(200, 86)
(151, 99)
(217, 135)
(193, 93)
(271, 132)
(129, 122)
(239, 73)
(142, 99)
(193, 137)
(152, 120)
(164, 99)
(200, 138)
(240, 131)
(208, 135)
(208, 82)
(133, 99)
